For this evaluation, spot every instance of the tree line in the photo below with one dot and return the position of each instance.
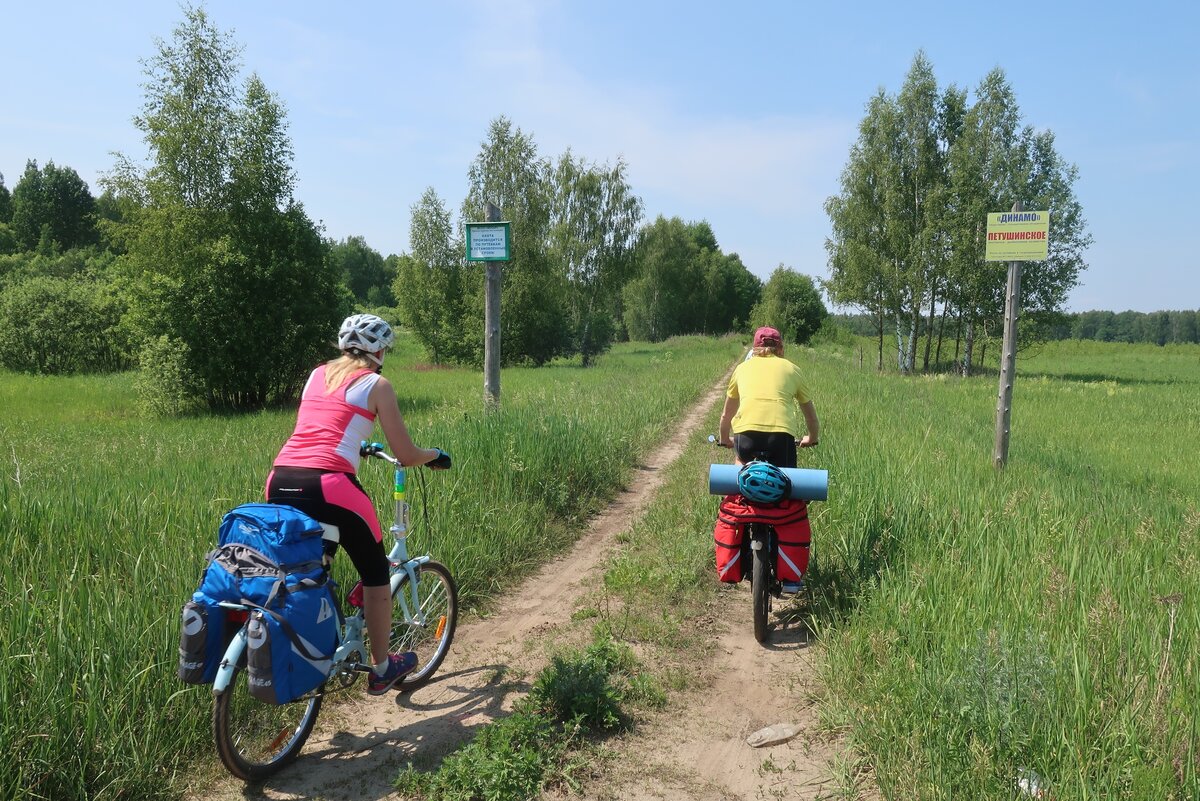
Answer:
(1180, 327)
(908, 226)
(198, 267)
(1155, 328)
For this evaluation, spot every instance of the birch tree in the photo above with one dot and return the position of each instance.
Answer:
(534, 319)
(594, 222)
(909, 223)
(231, 288)
(860, 255)
(429, 284)
(995, 162)
(884, 251)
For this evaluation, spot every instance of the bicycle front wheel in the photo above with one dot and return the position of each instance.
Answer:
(255, 739)
(429, 630)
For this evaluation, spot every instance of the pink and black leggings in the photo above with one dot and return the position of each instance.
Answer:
(336, 499)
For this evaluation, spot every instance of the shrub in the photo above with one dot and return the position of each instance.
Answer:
(55, 325)
(833, 333)
(510, 758)
(791, 303)
(517, 756)
(165, 385)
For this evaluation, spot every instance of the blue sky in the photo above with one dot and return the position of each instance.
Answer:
(740, 114)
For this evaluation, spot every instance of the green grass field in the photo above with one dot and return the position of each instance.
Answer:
(978, 624)
(108, 516)
(1043, 618)
(980, 627)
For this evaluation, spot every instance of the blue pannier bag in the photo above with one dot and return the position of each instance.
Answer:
(289, 651)
(270, 557)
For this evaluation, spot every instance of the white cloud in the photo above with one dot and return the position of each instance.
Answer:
(752, 177)
(761, 161)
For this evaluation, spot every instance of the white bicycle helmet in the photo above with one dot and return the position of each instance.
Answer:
(366, 333)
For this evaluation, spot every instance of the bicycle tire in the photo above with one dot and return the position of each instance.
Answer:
(760, 580)
(438, 596)
(255, 739)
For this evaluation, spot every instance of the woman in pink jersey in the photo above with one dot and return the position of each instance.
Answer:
(316, 470)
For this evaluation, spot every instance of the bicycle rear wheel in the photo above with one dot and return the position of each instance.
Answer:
(430, 633)
(760, 580)
(254, 739)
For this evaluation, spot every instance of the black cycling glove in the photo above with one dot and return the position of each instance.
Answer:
(442, 462)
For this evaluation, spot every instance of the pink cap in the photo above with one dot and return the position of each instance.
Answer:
(766, 337)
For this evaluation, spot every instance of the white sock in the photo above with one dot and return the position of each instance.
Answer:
(381, 668)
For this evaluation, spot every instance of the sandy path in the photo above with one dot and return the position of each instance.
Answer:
(696, 750)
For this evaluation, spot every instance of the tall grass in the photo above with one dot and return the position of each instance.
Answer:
(1041, 618)
(108, 517)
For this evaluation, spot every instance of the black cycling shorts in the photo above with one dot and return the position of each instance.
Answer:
(778, 448)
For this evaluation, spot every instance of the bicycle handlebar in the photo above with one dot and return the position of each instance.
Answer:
(712, 439)
(377, 450)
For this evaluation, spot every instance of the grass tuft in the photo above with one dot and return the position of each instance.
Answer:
(538, 745)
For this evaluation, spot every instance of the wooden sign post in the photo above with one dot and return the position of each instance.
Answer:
(1018, 235)
(489, 242)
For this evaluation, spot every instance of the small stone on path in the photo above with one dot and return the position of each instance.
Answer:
(773, 735)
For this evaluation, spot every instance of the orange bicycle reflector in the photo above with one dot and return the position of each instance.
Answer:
(441, 627)
(278, 741)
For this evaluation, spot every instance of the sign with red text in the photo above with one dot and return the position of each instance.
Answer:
(1017, 236)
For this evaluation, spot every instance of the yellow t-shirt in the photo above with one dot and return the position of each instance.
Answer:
(768, 389)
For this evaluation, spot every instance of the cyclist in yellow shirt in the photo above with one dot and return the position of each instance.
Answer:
(764, 403)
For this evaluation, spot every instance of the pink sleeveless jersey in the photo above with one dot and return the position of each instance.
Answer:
(329, 427)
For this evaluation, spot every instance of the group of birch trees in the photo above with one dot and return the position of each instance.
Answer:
(584, 272)
(908, 226)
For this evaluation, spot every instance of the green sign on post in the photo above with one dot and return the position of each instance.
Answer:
(488, 241)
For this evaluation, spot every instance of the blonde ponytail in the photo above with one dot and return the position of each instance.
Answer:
(339, 369)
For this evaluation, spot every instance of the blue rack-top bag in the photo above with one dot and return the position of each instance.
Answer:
(263, 548)
(270, 557)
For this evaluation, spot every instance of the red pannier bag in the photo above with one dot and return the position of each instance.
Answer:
(728, 537)
(789, 517)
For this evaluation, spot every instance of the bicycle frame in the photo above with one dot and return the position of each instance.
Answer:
(402, 565)
(351, 652)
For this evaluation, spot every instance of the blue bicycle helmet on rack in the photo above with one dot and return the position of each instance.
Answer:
(763, 482)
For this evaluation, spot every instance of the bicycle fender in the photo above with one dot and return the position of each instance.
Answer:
(407, 571)
(233, 654)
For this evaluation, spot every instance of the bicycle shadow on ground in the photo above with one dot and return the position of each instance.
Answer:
(434, 721)
(790, 629)
(790, 623)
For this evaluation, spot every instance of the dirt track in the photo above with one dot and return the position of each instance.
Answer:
(693, 750)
